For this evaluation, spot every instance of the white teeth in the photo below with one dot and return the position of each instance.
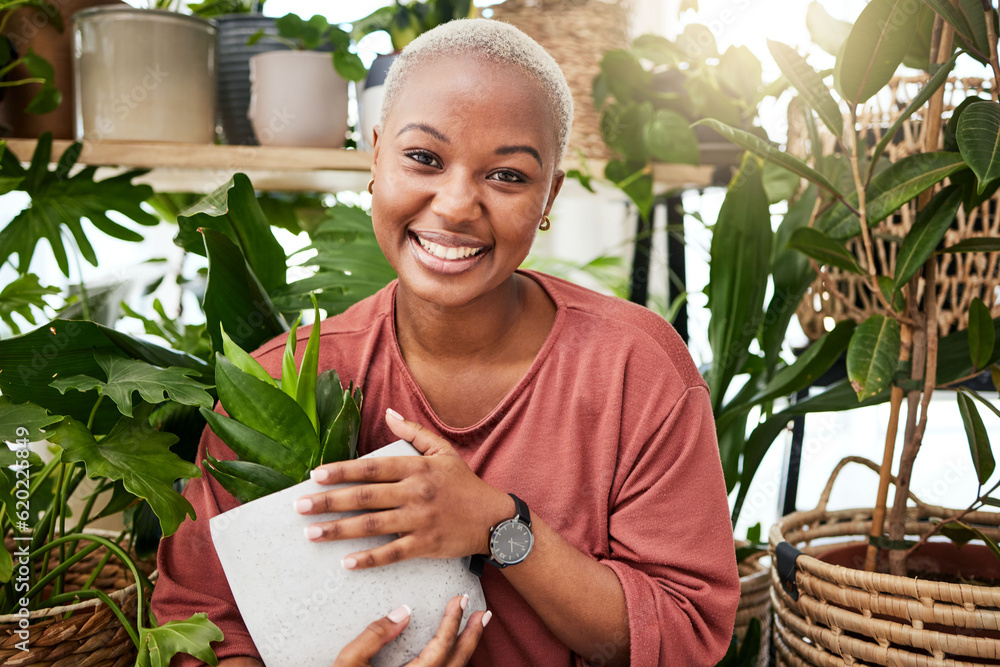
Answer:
(447, 252)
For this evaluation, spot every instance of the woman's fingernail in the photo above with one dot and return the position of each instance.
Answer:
(395, 415)
(351, 563)
(319, 474)
(465, 601)
(303, 505)
(486, 618)
(313, 531)
(399, 614)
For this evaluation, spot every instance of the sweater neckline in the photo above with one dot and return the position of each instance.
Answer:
(494, 415)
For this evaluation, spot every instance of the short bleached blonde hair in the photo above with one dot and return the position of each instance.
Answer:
(495, 42)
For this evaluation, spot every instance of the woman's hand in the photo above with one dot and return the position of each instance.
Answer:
(437, 505)
(446, 649)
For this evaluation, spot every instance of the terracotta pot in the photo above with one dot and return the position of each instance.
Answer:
(30, 28)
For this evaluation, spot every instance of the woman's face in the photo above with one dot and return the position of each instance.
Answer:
(464, 171)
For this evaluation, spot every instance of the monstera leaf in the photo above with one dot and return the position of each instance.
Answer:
(59, 202)
(194, 635)
(21, 296)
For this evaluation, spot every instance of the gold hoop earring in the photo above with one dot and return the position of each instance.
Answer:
(370, 188)
(546, 223)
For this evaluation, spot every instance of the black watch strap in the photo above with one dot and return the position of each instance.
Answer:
(477, 562)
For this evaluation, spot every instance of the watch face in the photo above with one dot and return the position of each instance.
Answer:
(511, 542)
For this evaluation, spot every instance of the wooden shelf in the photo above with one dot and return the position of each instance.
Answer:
(205, 167)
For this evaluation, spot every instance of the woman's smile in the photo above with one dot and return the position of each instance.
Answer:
(445, 253)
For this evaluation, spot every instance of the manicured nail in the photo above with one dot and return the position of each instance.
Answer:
(351, 563)
(319, 474)
(486, 618)
(395, 415)
(399, 614)
(465, 601)
(313, 531)
(303, 505)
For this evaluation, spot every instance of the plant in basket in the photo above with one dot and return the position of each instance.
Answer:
(881, 224)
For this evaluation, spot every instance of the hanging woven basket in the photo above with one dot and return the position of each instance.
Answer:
(834, 615)
(755, 602)
(85, 633)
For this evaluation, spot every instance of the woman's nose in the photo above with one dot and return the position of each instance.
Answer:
(457, 199)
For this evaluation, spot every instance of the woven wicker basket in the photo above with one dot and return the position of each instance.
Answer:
(755, 602)
(845, 616)
(961, 277)
(83, 634)
(576, 33)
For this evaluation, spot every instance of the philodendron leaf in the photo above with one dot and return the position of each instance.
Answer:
(823, 249)
(809, 84)
(926, 233)
(875, 48)
(136, 454)
(982, 336)
(23, 420)
(154, 385)
(194, 636)
(20, 296)
(873, 355)
(255, 447)
(246, 481)
(979, 141)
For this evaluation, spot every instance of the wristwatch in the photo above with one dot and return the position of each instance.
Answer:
(510, 540)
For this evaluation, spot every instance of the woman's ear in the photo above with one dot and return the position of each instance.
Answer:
(376, 131)
(557, 182)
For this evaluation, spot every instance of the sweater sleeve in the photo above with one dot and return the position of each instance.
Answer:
(671, 542)
(191, 578)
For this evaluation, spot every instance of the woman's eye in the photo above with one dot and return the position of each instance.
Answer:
(508, 176)
(424, 158)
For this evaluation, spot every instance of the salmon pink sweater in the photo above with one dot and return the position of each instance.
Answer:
(608, 437)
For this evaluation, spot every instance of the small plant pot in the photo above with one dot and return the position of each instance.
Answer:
(144, 75)
(297, 99)
(301, 607)
(370, 95)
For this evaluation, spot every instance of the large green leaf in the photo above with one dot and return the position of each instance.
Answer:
(979, 141)
(23, 420)
(234, 211)
(235, 299)
(670, 139)
(246, 481)
(889, 190)
(59, 202)
(954, 356)
(740, 259)
(979, 440)
(761, 148)
(879, 40)
(126, 376)
(968, 20)
(809, 84)
(624, 75)
(21, 296)
(823, 249)
(254, 446)
(827, 32)
(740, 72)
(193, 636)
(136, 454)
(981, 335)
(873, 355)
(929, 228)
(28, 364)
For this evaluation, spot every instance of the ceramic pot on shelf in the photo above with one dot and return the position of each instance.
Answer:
(370, 95)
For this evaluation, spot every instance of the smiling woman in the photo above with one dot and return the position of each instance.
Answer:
(567, 437)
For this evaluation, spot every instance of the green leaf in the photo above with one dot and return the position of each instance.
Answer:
(19, 421)
(289, 373)
(6, 565)
(246, 481)
(235, 299)
(193, 636)
(995, 376)
(984, 244)
(824, 250)
(330, 398)
(341, 441)
(968, 20)
(779, 183)
(740, 71)
(624, 75)
(349, 65)
(960, 533)
(635, 181)
(244, 361)
(875, 48)
(136, 454)
(926, 233)
(763, 149)
(305, 387)
(233, 210)
(670, 139)
(979, 141)
(154, 385)
(697, 43)
(873, 355)
(20, 296)
(59, 202)
(255, 447)
(979, 440)
(809, 84)
(827, 32)
(892, 294)
(811, 364)
(918, 55)
(889, 190)
(740, 258)
(48, 96)
(981, 334)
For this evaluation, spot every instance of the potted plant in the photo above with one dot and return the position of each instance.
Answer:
(832, 604)
(297, 97)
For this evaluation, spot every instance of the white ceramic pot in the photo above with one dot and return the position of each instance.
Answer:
(297, 99)
(370, 95)
(301, 607)
(143, 75)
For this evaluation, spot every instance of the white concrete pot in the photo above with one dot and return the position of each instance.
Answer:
(297, 99)
(143, 75)
(301, 607)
